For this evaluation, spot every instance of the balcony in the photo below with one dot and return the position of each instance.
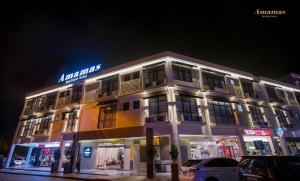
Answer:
(63, 101)
(151, 84)
(105, 94)
(188, 118)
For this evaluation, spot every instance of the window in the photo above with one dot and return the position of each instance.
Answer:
(158, 107)
(283, 122)
(64, 94)
(290, 95)
(50, 101)
(126, 106)
(220, 112)
(107, 117)
(213, 81)
(76, 94)
(126, 77)
(156, 75)
(136, 104)
(43, 125)
(71, 121)
(247, 89)
(187, 107)
(240, 108)
(29, 106)
(271, 92)
(182, 73)
(256, 115)
(28, 128)
(109, 85)
(233, 82)
(297, 95)
(136, 75)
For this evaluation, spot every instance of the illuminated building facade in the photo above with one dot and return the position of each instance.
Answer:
(207, 110)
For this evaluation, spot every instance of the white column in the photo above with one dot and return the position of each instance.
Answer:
(62, 151)
(173, 120)
(29, 154)
(127, 154)
(136, 156)
(11, 152)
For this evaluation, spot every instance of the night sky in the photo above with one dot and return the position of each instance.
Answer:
(39, 41)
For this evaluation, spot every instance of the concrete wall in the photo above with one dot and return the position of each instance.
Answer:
(88, 162)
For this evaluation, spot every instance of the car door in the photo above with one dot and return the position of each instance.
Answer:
(227, 169)
(219, 168)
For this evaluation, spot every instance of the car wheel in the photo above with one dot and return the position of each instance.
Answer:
(211, 179)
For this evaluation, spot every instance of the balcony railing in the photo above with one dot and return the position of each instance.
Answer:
(156, 119)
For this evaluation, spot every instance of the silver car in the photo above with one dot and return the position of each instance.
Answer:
(211, 169)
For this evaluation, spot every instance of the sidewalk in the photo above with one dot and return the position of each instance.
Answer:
(88, 176)
(74, 176)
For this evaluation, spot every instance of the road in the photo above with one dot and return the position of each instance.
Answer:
(13, 177)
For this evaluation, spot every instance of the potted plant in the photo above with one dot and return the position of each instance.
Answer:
(151, 152)
(54, 166)
(174, 165)
(120, 158)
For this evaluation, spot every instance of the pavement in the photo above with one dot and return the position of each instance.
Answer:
(85, 176)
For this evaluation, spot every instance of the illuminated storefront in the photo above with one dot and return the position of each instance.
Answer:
(199, 147)
(258, 142)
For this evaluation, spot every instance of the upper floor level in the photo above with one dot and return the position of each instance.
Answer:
(162, 70)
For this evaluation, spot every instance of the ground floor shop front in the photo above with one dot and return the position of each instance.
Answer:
(201, 147)
(36, 155)
(129, 154)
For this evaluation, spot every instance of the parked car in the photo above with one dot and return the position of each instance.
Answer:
(211, 169)
(269, 168)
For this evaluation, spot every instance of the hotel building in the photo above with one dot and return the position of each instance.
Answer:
(207, 110)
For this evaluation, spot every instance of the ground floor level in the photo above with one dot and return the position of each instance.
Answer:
(129, 154)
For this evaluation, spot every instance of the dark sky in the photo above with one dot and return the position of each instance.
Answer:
(38, 41)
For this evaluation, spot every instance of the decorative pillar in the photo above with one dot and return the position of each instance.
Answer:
(11, 152)
(62, 151)
(29, 154)
(127, 154)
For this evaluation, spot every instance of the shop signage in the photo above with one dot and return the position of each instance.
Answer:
(80, 74)
(209, 143)
(257, 132)
(87, 151)
(279, 131)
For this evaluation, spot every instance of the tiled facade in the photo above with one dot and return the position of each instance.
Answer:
(205, 109)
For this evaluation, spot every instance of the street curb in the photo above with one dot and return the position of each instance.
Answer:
(54, 176)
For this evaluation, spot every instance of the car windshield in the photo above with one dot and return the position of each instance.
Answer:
(191, 163)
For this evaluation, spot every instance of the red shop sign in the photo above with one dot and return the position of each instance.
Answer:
(257, 132)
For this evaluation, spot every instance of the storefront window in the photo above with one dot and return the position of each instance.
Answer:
(110, 155)
(258, 145)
